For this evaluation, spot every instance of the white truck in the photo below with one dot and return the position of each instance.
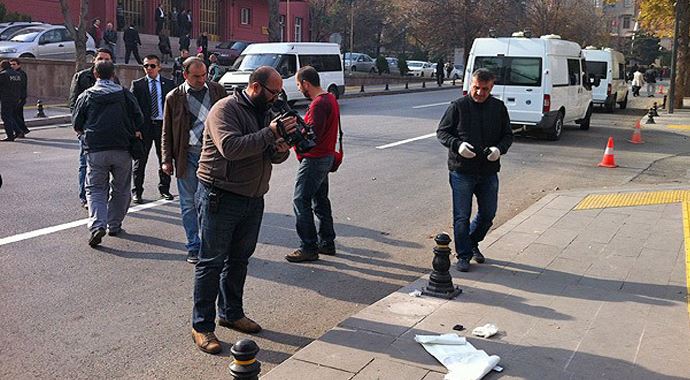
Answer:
(608, 66)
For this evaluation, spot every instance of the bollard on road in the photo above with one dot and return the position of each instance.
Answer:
(407, 87)
(656, 110)
(650, 116)
(39, 106)
(386, 89)
(423, 84)
(245, 366)
(440, 281)
(361, 89)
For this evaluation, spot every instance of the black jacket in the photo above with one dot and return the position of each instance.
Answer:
(10, 87)
(184, 42)
(110, 36)
(140, 89)
(108, 120)
(81, 81)
(131, 38)
(25, 84)
(482, 125)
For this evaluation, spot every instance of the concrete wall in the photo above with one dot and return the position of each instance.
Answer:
(50, 80)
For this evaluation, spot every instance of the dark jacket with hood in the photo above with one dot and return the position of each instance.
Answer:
(482, 125)
(108, 116)
(80, 82)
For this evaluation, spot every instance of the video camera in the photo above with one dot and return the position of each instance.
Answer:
(303, 137)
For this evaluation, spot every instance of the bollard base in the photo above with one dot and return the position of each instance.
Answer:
(445, 295)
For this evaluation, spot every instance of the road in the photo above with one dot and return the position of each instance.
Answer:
(123, 310)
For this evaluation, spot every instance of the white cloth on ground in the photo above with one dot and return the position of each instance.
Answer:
(461, 358)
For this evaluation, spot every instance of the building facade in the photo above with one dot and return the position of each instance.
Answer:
(226, 20)
(621, 16)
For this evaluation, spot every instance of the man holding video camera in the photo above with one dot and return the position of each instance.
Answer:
(311, 184)
(240, 145)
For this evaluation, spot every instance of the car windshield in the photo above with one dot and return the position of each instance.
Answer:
(352, 56)
(239, 45)
(26, 35)
(597, 68)
(11, 30)
(224, 45)
(250, 62)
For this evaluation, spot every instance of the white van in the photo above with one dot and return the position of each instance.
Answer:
(542, 81)
(608, 66)
(287, 58)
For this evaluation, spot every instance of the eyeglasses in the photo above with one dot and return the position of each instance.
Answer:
(273, 93)
(149, 65)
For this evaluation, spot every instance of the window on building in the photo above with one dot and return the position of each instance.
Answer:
(628, 3)
(245, 16)
(282, 28)
(134, 12)
(298, 29)
(626, 22)
(208, 18)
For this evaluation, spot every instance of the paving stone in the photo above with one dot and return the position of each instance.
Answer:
(406, 350)
(565, 270)
(591, 213)
(434, 376)
(654, 354)
(511, 243)
(345, 349)
(537, 256)
(624, 246)
(552, 212)
(574, 221)
(648, 218)
(558, 237)
(442, 320)
(293, 369)
(536, 224)
(564, 202)
(583, 250)
(608, 273)
(382, 369)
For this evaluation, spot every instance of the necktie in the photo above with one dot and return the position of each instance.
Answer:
(154, 100)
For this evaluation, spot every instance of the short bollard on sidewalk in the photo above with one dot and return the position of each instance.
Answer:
(39, 106)
(245, 366)
(650, 116)
(440, 281)
(361, 88)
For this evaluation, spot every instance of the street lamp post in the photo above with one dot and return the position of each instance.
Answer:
(674, 53)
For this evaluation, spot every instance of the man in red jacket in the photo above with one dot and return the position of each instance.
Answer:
(311, 184)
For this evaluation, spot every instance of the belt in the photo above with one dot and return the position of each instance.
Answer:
(157, 122)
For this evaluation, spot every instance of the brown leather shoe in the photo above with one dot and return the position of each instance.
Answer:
(206, 341)
(298, 256)
(243, 324)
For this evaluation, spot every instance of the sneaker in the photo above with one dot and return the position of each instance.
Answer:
(463, 265)
(206, 342)
(298, 256)
(193, 257)
(330, 251)
(243, 324)
(8, 139)
(167, 196)
(96, 237)
(477, 255)
(136, 198)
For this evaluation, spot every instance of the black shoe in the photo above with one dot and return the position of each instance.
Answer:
(19, 136)
(463, 265)
(8, 139)
(330, 251)
(115, 231)
(193, 257)
(477, 255)
(26, 131)
(167, 196)
(136, 198)
(96, 237)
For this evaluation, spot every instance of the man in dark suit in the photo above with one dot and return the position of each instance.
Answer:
(150, 92)
(160, 18)
(132, 42)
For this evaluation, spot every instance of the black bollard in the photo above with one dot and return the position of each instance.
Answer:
(440, 281)
(386, 89)
(39, 106)
(361, 89)
(245, 365)
(663, 105)
(650, 116)
(423, 84)
(407, 87)
(453, 81)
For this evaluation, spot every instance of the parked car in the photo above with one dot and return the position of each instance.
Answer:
(228, 51)
(360, 62)
(420, 69)
(48, 42)
(7, 29)
(393, 68)
(457, 72)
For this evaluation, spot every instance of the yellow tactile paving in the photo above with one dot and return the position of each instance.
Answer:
(648, 198)
(680, 127)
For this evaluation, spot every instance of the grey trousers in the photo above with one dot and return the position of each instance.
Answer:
(108, 179)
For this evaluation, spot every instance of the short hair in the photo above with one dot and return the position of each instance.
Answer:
(105, 69)
(484, 75)
(5, 64)
(309, 74)
(15, 60)
(261, 75)
(181, 50)
(152, 56)
(105, 50)
(192, 61)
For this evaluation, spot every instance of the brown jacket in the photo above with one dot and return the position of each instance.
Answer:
(177, 123)
(238, 152)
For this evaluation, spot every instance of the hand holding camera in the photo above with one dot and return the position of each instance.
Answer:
(466, 150)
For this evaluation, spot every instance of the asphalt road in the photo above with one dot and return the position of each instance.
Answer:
(123, 310)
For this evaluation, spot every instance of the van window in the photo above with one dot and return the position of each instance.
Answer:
(621, 71)
(516, 71)
(597, 68)
(321, 62)
(573, 71)
(286, 64)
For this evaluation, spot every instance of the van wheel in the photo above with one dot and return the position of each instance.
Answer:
(334, 90)
(556, 130)
(584, 123)
(624, 103)
(610, 107)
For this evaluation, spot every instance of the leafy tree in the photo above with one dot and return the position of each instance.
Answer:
(12, 16)
(402, 64)
(645, 48)
(382, 65)
(78, 33)
(274, 20)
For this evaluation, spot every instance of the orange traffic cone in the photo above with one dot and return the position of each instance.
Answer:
(608, 161)
(637, 134)
(661, 89)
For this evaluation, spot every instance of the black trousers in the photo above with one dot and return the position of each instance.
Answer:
(132, 50)
(139, 168)
(19, 115)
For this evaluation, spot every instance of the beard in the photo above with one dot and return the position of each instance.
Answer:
(261, 103)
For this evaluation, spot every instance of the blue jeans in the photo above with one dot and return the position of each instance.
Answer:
(311, 197)
(228, 238)
(82, 170)
(485, 188)
(187, 187)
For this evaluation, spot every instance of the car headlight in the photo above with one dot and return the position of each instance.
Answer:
(8, 50)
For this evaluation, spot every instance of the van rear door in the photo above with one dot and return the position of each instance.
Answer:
(523, 92)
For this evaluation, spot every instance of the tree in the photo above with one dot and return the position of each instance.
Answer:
(645, 48)
(78, 33)
(273, 20)
(12, 16)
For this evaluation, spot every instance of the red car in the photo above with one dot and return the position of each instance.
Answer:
(229, 51)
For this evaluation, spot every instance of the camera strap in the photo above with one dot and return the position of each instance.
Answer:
(340, 135)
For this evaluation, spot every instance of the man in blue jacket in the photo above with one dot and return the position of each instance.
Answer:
(476, 130)
(109, 118)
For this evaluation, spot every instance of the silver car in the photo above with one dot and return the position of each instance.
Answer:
(360, 62)
(47, 42)
(7, 29)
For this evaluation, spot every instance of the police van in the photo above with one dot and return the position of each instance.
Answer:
(608, 66)
(287, 59)
(542, 81)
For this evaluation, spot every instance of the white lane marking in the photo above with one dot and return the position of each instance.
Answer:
(431, 105)
(406, 141)
(76, 223)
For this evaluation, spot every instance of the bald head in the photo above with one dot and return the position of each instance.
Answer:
(266, 79)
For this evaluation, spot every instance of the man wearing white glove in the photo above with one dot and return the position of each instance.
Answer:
(476, 130)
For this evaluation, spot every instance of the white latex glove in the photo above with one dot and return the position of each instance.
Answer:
(494, 155)
(465, 150)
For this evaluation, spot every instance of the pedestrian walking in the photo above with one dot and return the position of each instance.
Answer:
(189, 21)
(178, 67)
(10, 94)
(202, 44)
(182, 23)
(110, 39)
(214, 70)
(240, 146)
(173, 22)
(96, 32)
(637, 82)
(164, 46)
(81, 81)
(185, 40)
(160, 18)
(150, 91)
(439, 72)
(650, 76)
(311, 184)
(132, 43)
(476, 130)
(19, 110)
(109, 118)
(186, 110)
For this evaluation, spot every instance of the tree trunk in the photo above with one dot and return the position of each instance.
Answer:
(274, 21)
(78, 33)
(683, 55)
